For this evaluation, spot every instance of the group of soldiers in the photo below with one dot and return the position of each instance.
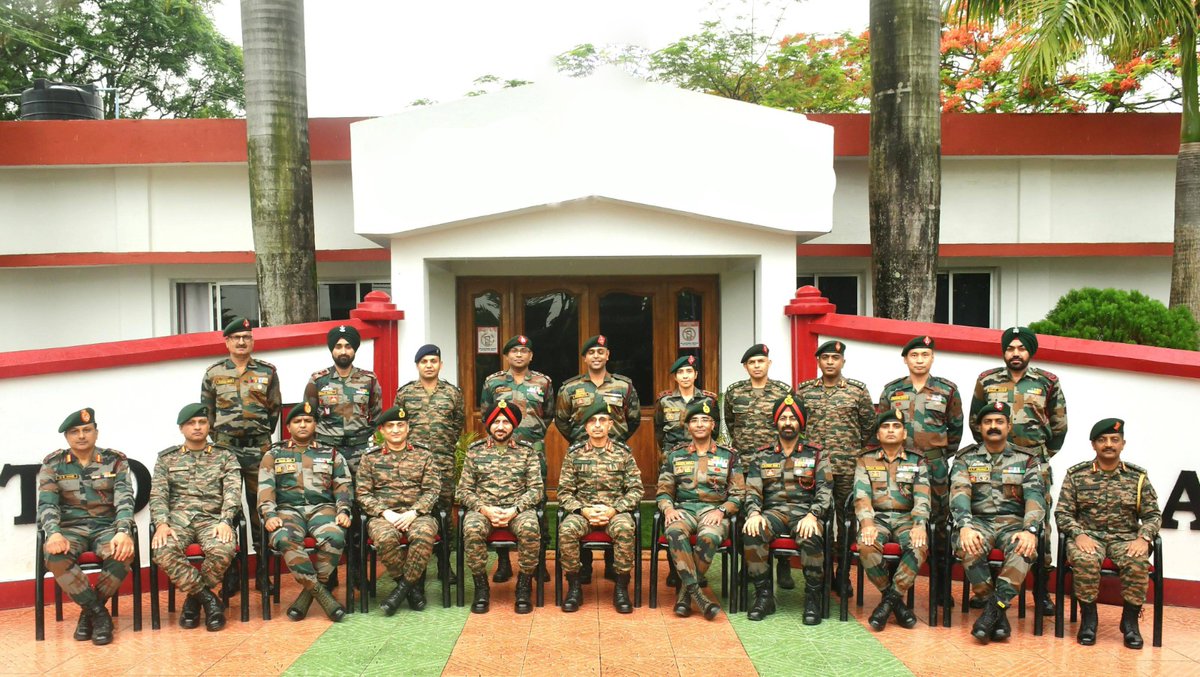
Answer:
(796, 458)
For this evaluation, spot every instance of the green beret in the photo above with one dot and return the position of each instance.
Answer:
(598, 407)
(598, 340)
(1024, 334)
(788, 402)
(831, 347)
(1106, 426)
(515, 341)
(343, 332)
(754, 351)
(77, 418)
(501, 408)
(702, 406)
(396, 413)
(889, 415)
(997, 407)
(303, 409)
(685, 361)
(237, 324)
(191, 411)
(917, 342)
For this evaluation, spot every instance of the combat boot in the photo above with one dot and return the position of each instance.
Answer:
(391, 604)
(189, 613)
(783, 574)
(812, 604)
(1129, 625)
(416, 595)
(83, 629)
(764, 601)
(706, 606)
(523, 604)
(987, 621)
(102, 625)
(214, 611)
(1087, 624)
(683, 603)
(332, 608)
(483, 594)
(504, 570)
(879, 617)
(299, 608)
(621, 595)
(905, 617)
(1045, 606)
(1003, 630)
(574, 596)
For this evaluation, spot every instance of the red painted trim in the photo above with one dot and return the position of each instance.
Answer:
(79, 259)
(1006, 250)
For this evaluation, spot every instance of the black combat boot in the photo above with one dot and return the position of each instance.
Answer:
(764, 601)
(102, 625)
(574, 596)
(1003, 630)
(1129, 626)
(706, 606)
(812, 604)
(905, 617)
(523, 603)
(683, 603)
(299, 608)
(879, 617)
(416, 595)
(672, 575)
(621, 595)
(1087, 624)
(987, 621)
(504, 571)
(83, 629)
(1045, 606)
(783, 574)
(391, 604)
(332, 608)
(483, 594)
(189, 613)
(214, 611)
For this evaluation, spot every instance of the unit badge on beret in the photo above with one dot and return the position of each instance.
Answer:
(766, 351)
(522, 340)
(899, 414)
(85, 416)
(691, 359)
(705, 408)
(1116, 426)
(837, 345)
(998, 406)
(246, 323)
(307, 408)
(601, 340)
(927, 340)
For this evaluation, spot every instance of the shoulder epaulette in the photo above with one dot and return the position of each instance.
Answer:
(50, 458)
(168, 450)
(478, 443)
(538, 373)
(764, 448)
(894, 382)
(266, 364)
(318, 374)
(374, 448)
(450, 384)
(576, 445)
(662, 395)
(114, 452)
(709, 394)
(525, 443)
(807, 384)
(406, 385)
(868, 450)
(1135, 468)
(814, 445)
(951, 384)
(1079, 467)
(573, 379)
(496, 375)
(737, 384)
(622, 377)
(856, 384)
(216, 364)
(1050, 376)
(989, 372)
(621, 445)
(418, 445)
(368, 372)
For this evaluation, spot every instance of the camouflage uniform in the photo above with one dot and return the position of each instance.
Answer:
(193, 492)
(895, 496)
(591, 476)
(578, 393)
(998, 496)
(669, 429)
(400, 481)
(1106, 506)
(88, 505)
(748, 416)
(243, 409)
(504, 476)
(533, 397)
(436, 421)
(346, 409)
(695, 484)
(785, 489)
(306, 487)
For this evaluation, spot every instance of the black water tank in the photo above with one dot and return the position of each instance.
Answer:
(57, 101)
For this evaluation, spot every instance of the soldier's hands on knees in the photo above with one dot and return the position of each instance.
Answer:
(272, 524)
(404, 520)
(867, 533)
(1026, 544)
(161, 534)
(809, 526)
(1086, 544)
(57, 544)
(343, 520)
(712, 518)
(754, 525)
(122, 547)
(672, 515)
(1138, 547)
(971, 541)
(224, 533)
(918, 536)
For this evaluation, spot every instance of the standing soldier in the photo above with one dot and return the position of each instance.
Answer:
(699, 486)
(996, 501)
(1108, 509)
(195, 497)
(748, 418)
(598, 487)
(841, 417)
(891, 503)
(671, 405)
(788, 492)
(532, 392)
(304, 490)
(346, 399)
(1039, 409)
(500, 488)
(933, 422)
(398, 487)
(241, 395)
(85, 502)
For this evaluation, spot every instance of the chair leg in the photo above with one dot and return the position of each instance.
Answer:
(278, 559)
(155, 615)
(58, 613)
(244, 565)
(171, 599)
(116, 604)
(265, 590)
(39, 593)
(654, 575)
(858, 594)
(137, 586)
(1021, 600)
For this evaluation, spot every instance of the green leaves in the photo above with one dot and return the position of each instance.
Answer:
(1121, 316)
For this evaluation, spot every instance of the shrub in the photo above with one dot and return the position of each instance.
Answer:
(1122, 317)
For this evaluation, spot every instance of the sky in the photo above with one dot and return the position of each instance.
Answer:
(374, 57)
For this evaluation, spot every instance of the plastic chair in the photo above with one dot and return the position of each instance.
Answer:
(729, 560)
(274, 560)
(196, 556)
(598, 539)
(90, 563)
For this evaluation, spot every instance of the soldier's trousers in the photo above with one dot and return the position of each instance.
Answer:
(692, 562)
(843, 487)
(217, 555)
(783, 524)
(475, 531)
(1135, 571)
(997, 532)
(407, 563)
(893, 527)
(574, 527)
(71, 578)
(288, 539)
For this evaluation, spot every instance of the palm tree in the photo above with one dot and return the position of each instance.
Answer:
(1061, 32)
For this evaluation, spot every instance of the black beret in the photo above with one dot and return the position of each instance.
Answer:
(599, 406)
(520, 340)
(889, 415)
(396, 413)
(427, 349)
(593, 341)
(1024, 334)
(831, 347)
(703, 406)
(237, 324)
(501, 408)
(997, 407)
(917, 342)
(788, 402)
(76, 418)
(1106, 426)
(191, 411)
(685, 361)
(754, 351)
(345, 331)
(302, 409)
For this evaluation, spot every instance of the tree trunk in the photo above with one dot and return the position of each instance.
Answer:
(1185, 262)
(905, 161)
(281, 203)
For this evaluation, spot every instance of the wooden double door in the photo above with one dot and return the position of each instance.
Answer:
(649, 323)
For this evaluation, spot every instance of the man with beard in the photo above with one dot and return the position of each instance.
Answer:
(1039, 422)
(345, 398)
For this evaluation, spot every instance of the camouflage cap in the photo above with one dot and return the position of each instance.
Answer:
(685, 361)
(1105, 426)
(501, 408)
(236, 325)
(889, 415)
(788, 402)
(701, 407)
(427, 349)
(344, 331)
(1024, 334)
(997, 407)
(831, 347)
(519, 340)
(304, 409)
(598, 407)
(597, 341)
(191, 411)
(754, 351)
(396, 413)
(917, 342)
(77, 418)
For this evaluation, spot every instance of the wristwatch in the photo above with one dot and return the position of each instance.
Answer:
(1032, 530)
(722, 509)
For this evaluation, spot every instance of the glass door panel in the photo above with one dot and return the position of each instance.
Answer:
(627, 320)
(552, 324)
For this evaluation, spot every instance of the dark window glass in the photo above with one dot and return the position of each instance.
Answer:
(365, 288)
(973, 299)
(941, 308)
(487, 314)
(690, 308)
(336, 300)
(628, 322)
(552, 325)
(806, 281)
(238, 299)
(842, 291)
